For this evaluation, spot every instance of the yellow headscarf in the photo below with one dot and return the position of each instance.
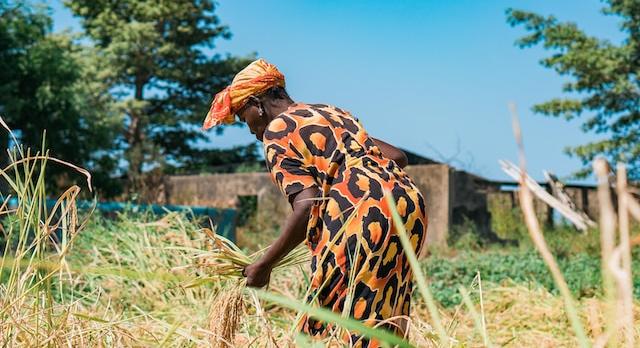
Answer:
(255, 79)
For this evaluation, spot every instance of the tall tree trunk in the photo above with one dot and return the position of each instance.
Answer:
(135, 139)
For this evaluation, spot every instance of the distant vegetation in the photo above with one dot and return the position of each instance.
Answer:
(125, 97)
(603, 87)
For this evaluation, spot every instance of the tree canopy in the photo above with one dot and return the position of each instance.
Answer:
(124, 98)
(47, 83)
(160, 65)
(603, 89)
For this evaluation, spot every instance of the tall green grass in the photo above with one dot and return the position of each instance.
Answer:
(71, 278)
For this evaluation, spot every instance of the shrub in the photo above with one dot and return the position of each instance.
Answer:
(581, 270)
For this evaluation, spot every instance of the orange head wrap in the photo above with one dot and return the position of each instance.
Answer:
(255, 79)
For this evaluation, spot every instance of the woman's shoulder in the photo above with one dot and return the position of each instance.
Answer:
(299, 115)
(302, 114)
(328, 108)
(309, 110)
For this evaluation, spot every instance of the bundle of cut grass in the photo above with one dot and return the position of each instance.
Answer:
(223, 263)
(225, 260)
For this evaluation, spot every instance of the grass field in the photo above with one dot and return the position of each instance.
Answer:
(73, 278)
(121, 288)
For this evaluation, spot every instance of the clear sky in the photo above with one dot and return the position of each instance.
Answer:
(434, 77)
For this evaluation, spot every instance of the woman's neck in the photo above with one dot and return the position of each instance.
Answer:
(275, 107)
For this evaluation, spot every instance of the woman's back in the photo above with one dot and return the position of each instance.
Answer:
(325, 146)
(332, 145)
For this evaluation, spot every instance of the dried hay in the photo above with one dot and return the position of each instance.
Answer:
(225, 315)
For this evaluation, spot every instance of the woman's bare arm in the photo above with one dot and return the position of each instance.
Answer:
(293, 233)
(392, 152)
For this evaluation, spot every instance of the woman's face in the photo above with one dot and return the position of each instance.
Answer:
(250, 115)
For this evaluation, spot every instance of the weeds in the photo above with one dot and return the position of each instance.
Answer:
(68, 278)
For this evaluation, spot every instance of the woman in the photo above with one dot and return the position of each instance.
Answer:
(335, 177)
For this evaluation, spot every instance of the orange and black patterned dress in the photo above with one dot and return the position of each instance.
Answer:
(351, 232)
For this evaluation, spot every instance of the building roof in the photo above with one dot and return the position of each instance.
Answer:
(415, 158)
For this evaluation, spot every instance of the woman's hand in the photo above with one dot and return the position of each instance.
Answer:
(258, 274)
(293, 233)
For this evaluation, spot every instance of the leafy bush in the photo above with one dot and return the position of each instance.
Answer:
(582, 272)
(506, 222)
(464, 236)
(565, 241)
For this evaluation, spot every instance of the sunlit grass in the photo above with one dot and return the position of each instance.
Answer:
(71, 278)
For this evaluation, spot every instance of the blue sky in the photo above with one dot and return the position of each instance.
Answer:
(434, 77)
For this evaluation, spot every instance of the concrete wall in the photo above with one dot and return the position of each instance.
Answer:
(435, 183)
(585, 198)
(452, 196)
(222, 190)
(470, 202)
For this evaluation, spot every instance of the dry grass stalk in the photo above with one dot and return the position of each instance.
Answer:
(477, 317)
(633, 206)
(37, 242)
(623, 271)
(616, 259)
(607, 240)
(264, 320)
(535, 232)
(593, 318)
(519, 316)
(227, 261)
(607, 237)
(225, 316)
(634, 210)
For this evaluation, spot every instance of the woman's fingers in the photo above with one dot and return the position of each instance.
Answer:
(257, 276)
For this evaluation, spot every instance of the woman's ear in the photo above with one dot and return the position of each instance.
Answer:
(255, 101)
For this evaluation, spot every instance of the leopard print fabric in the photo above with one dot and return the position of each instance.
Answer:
(351, 232)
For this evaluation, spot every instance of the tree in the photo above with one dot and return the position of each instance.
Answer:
(160, 67)
(604, 84)
(246, 158)
(47, 83)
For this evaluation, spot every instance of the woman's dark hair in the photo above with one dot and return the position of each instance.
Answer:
(276, 93)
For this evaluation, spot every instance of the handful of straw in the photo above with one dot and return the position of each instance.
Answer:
(226, 261)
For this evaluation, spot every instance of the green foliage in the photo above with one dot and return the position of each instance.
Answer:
(136, 251)
(464, 235)
(507, 222)
(603, 88)
(250, 167)
(247, 209)
(129, 103)
(159, 63)
(49, 82)
(238, 159)
(565, 241)
(582, 272)
(468, 241)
